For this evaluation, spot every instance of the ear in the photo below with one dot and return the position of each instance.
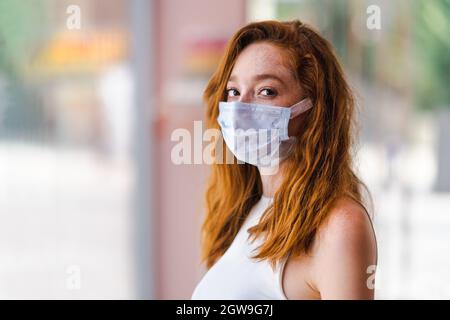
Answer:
(295, 125)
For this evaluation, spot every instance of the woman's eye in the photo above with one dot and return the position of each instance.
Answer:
(232, 92)
(268, 92)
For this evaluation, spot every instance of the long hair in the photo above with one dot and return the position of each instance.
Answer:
(319, 169)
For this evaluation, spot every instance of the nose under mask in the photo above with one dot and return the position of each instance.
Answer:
(257, 133)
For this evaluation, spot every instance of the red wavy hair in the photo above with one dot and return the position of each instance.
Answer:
(319, 170)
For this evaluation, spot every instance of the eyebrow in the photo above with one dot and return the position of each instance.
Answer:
(260, 77)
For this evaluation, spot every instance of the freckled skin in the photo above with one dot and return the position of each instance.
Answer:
(266, 58)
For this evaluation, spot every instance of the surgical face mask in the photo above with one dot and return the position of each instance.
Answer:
(258, 133)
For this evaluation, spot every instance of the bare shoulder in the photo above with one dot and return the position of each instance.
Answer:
(345, 249)
(346, 221)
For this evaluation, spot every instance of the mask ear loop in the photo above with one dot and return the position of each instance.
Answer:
(300, 107)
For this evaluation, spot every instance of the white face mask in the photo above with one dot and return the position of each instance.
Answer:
(258, 133)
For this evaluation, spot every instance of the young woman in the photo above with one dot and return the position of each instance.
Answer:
(300, 231)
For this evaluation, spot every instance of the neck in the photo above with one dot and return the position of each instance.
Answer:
(271, 178)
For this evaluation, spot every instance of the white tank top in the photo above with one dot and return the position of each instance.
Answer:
(235, 276)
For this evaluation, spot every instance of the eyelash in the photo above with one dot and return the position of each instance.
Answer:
(274, 92)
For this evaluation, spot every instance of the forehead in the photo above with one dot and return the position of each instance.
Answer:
(261, 58)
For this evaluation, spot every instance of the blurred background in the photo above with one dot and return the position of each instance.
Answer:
(91, 205)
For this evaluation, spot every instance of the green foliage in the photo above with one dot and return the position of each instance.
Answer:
(21, 25)
(431, 40)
